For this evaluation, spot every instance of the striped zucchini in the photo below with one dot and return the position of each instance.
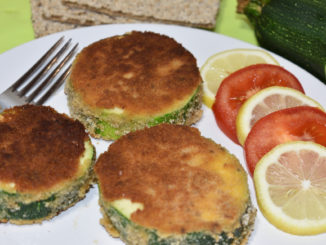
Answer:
(294, 29)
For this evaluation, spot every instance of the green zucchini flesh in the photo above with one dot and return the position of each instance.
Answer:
(25, 211)
(180, 116)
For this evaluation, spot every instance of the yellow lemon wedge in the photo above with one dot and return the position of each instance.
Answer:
(265, 102)
(222, 64)
(290, 184)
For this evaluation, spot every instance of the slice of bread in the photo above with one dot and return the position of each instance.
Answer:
(43, 26)
(50, 16)
(184, 12)
(55, 10)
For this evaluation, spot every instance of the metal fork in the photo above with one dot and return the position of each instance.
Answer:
(34, 87)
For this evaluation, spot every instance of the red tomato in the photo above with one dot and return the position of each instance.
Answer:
(240, 85)
(291, 124)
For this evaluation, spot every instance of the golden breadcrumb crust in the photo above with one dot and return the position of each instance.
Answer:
(143, 73)
(39, 148)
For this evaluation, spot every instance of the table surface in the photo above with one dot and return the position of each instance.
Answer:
(16, 27)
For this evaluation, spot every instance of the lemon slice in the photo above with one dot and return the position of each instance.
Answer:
(222, 64)
(265, 102)
(290, 183)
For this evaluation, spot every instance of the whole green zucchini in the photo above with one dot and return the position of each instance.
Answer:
(294, 29)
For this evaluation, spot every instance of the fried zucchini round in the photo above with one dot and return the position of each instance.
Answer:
(46, 163)
(136, 80)
(169, 185)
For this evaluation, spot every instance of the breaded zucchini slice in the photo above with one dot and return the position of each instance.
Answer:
(169, 185)
(46, 164)
(128, 82)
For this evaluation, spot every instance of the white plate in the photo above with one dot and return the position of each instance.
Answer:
(80, 224)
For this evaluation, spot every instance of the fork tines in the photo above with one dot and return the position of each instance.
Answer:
(36, 83)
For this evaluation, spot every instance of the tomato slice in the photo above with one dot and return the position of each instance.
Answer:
(240, 85)
(302, 123)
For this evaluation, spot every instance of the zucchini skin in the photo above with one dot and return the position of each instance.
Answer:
(32, 211)
(294, 29)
